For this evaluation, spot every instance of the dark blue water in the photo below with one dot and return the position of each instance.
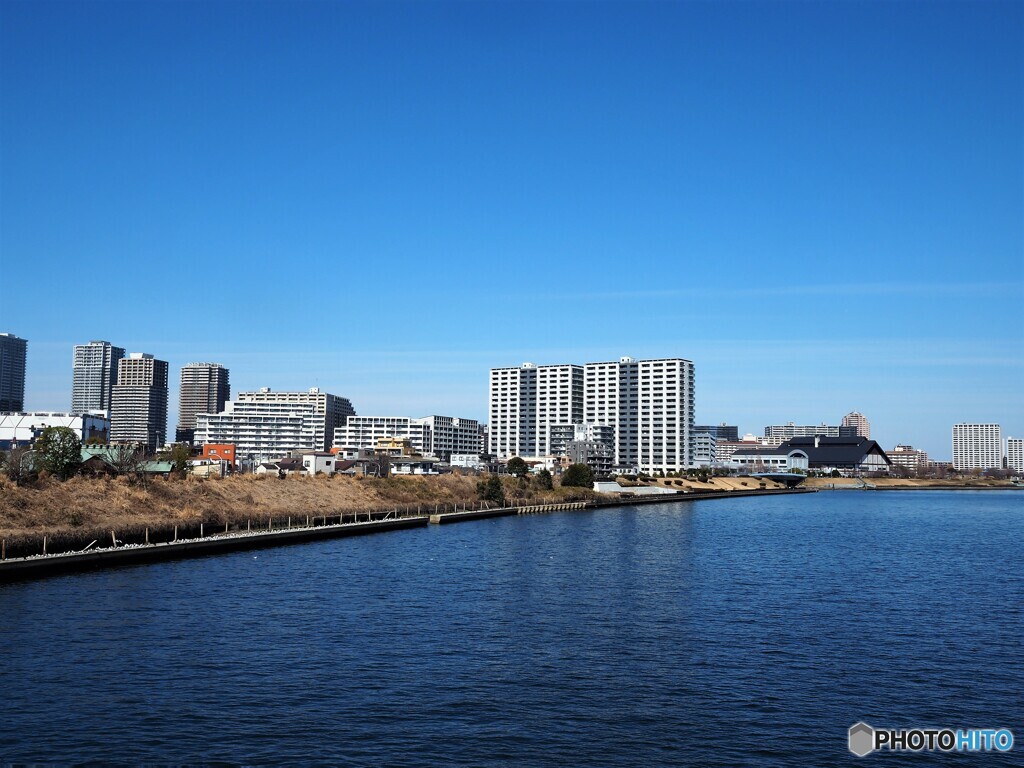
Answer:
(719, 633)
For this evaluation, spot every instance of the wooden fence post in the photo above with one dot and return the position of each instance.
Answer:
(44, 545)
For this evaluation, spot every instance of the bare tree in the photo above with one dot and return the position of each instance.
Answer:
(19, 464)
(126, 459)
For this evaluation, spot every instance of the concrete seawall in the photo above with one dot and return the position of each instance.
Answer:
(48, 565)
(40, 566)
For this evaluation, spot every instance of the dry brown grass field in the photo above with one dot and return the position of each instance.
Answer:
(86, 506)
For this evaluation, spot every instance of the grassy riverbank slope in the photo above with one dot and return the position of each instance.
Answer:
(83, 506)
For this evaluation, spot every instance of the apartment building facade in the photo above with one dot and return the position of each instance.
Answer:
(265, 425)
(525, 402)
(648, 404)
(777, 434)
(94, 376)
(439, 436)
(651, 405)
(1015, 454)
(977, 446)
(138, 412)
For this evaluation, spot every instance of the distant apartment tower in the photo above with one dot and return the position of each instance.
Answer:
(1015, 454)
(205, 388)
(909, 458)
(777, 434)
(138, 412)
(721, 432)
(266, 425)
(650, 405)
(439, 436)
(525, 402)
(977, 446)
(858, 421)
(705, 448)
(95, 375)
(13, 355)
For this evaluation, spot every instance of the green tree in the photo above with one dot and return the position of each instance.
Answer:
(544, 480)
(518, 467)
(178, 455)
(578, 476)
(59, 451)
(491, 489)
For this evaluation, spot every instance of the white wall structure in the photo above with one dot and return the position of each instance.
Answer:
(1015, 454)
(266, 425)
(439, 436)
(977, 446)
(859, 422)
(138, 411)
(22, 428)
(94, 371)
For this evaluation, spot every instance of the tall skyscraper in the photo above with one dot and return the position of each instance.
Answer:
(649, 403)
(977, 446)
(860, 422)
(205, 388)
(138, 411)
(95, 374)
(13, 355)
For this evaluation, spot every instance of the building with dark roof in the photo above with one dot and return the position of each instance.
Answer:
(850, 455)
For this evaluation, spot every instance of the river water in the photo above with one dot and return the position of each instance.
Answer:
(718, 633)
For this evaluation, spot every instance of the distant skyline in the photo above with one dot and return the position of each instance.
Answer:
(820, 205)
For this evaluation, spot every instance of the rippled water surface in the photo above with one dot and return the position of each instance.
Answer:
(729, 632)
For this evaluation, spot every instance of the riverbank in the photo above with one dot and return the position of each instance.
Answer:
(284, 532)
(907, 484)
(81, 510)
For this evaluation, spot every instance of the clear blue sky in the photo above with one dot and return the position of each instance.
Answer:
(820, 204)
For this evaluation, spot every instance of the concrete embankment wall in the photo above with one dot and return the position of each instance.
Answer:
(33, 567)
(47, 565)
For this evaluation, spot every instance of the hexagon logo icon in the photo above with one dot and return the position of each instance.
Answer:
(861, 739)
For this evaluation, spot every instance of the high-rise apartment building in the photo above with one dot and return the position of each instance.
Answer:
(267, 425)
(525, 402)
(95, 374)
(648, 404)
(860, 422)
(1015, 454)
(205, 388)
(138, 412)
(977, 446)
(13, 355)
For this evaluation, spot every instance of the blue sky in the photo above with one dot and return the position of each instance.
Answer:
(820, 204)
